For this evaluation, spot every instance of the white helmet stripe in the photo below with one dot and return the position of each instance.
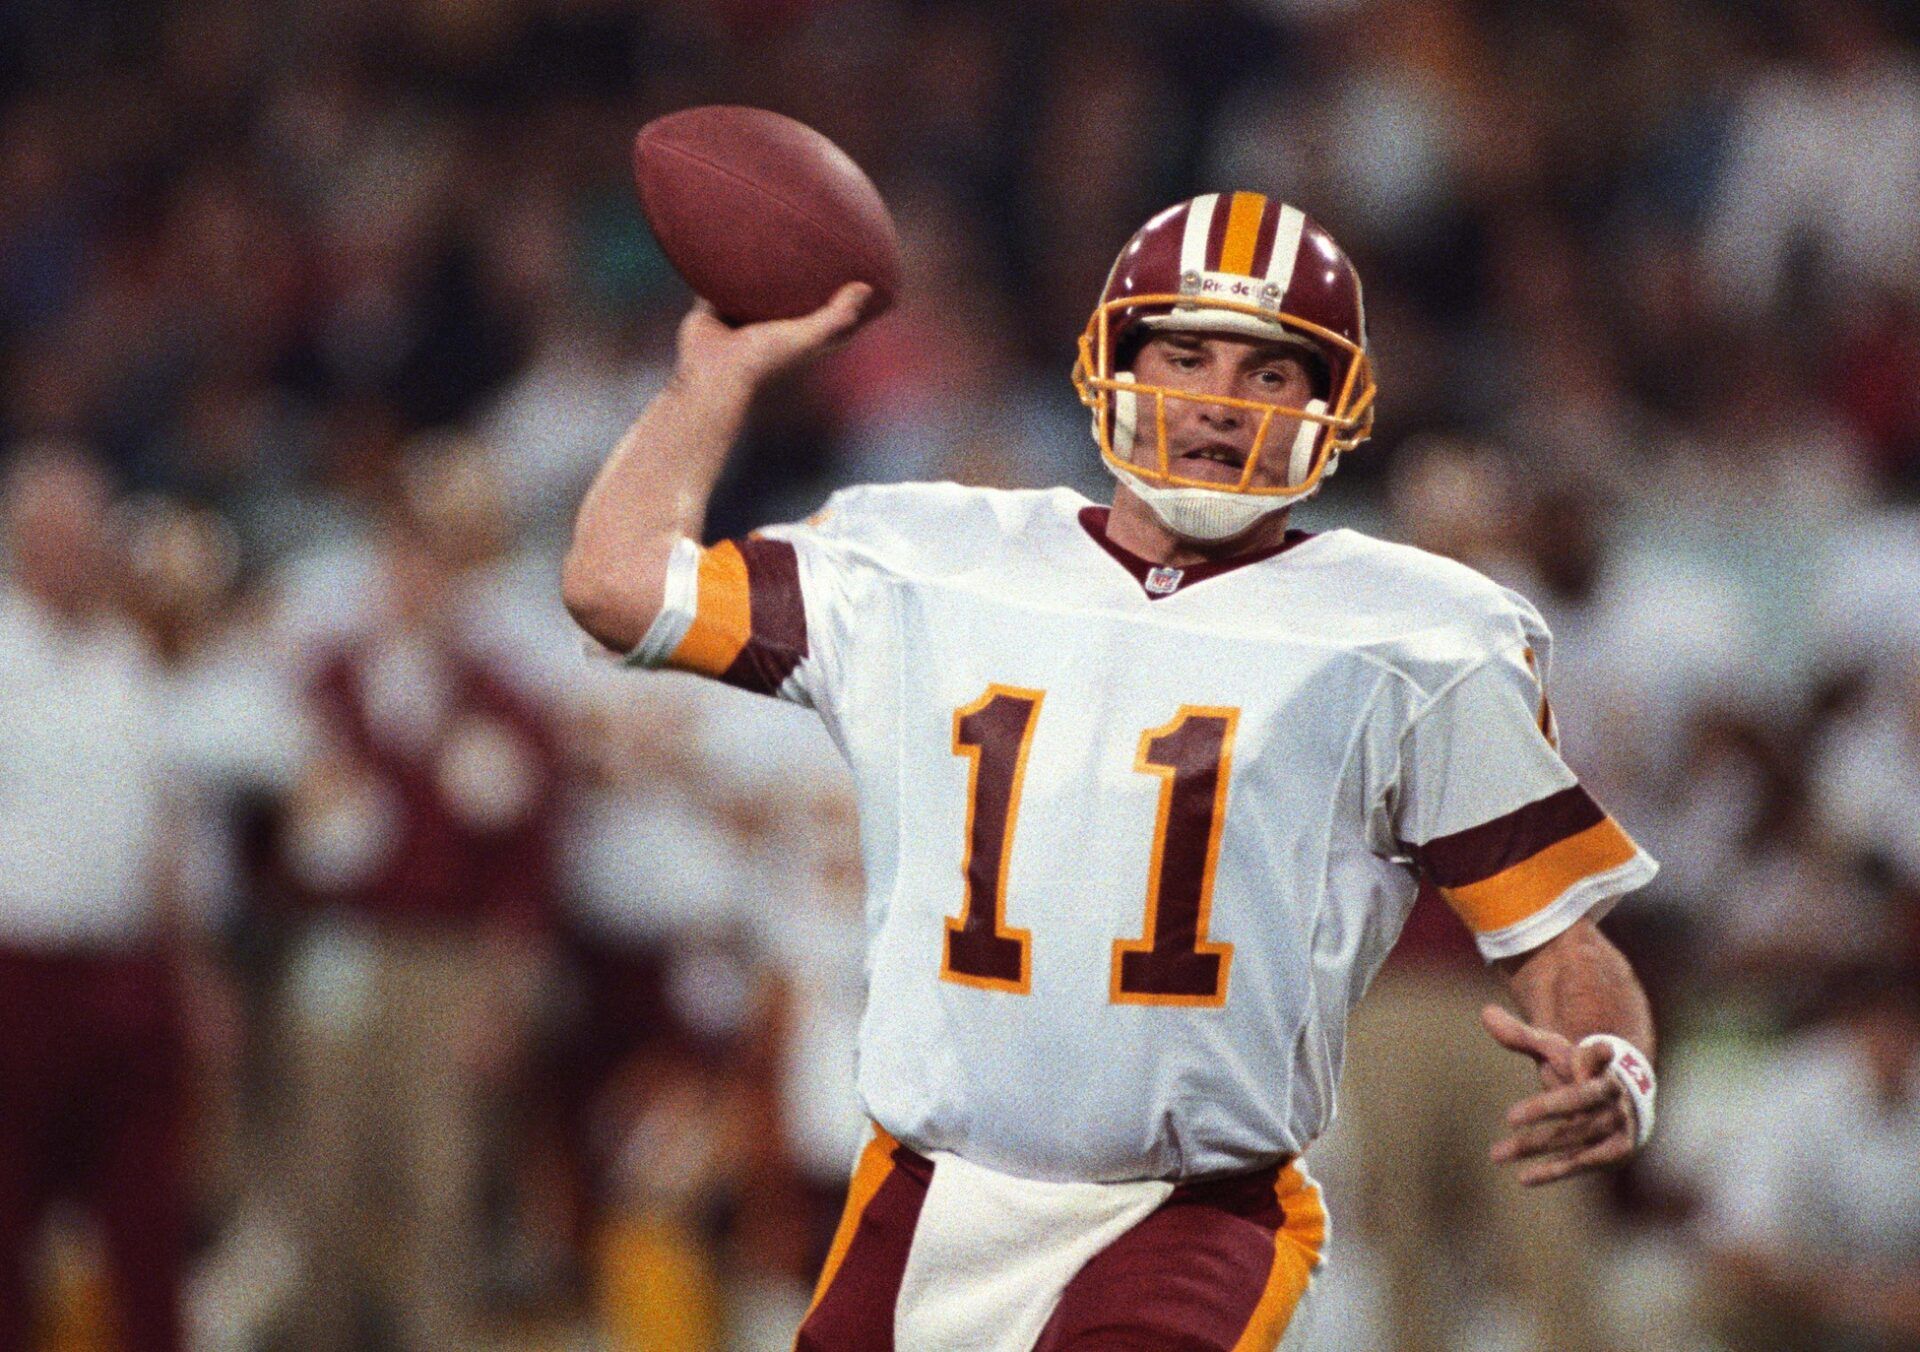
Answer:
(1193, 244)
(1286, 247)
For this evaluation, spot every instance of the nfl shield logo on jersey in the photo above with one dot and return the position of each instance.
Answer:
(1163, 581)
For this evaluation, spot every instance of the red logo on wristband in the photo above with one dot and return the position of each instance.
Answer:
(1636, 1070)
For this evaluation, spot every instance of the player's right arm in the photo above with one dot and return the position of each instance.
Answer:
(653, 490)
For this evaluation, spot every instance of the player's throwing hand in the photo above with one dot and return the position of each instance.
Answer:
(748, 355)
(1583, 1119)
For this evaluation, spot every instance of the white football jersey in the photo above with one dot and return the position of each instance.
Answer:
(1137, 838)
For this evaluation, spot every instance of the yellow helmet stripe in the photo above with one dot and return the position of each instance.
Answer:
(1243, 233)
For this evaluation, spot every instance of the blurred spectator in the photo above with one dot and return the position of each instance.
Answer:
(1868, 768)
(1824, 160)
(555, 420)
(236, 741)
(1644, 640)
(939, 392)
(1814, 1222)
(1772, 893)
(234, 725)
(92, 1083)
(501, 570)
(655, 892)
(425, 837)
(715, 908)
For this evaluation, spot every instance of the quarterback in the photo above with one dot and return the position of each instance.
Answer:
(1146, 792)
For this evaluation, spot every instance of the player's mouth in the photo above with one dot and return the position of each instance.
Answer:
(1212, 460)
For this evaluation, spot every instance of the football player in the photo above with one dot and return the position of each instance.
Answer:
(1146, 791)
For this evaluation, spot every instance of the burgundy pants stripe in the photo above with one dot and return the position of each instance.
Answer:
(1198, 1275)
(854, 1308)
(1219, 1267)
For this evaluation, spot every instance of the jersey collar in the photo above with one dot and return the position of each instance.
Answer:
(1160, 582)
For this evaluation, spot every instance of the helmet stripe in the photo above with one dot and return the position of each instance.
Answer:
(1217, 236)
(1243, 232)
(1193, 243)
(1286, 247)
(1263, 246)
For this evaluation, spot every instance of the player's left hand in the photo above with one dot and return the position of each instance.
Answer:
(1582, 1120)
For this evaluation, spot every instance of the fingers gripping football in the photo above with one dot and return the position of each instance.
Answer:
(710, 349)
(1581, 1120)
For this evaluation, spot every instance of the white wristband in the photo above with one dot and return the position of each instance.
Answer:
(1634, 1073)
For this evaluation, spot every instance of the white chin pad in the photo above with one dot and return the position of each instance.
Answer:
(1204, 514)
(1300, 462)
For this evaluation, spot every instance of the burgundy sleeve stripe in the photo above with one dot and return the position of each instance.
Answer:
(1480, 852)
(777, 623)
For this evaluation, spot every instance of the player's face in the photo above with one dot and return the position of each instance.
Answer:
(1212, 441)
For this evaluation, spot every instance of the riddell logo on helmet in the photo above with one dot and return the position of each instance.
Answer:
(1231, 286)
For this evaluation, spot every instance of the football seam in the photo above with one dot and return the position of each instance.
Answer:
(745, 182)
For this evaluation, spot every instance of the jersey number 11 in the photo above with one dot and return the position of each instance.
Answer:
(1172, 963)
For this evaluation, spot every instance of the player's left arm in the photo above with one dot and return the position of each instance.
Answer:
(1589, 1029)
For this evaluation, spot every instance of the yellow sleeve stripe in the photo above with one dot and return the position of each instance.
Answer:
(1536, 882)
(722, 616)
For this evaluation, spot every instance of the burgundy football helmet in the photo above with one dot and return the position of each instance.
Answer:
(1233, 263)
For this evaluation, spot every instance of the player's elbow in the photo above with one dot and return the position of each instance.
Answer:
(616, 606)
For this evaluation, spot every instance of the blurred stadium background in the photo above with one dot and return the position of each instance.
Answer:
(376, 971)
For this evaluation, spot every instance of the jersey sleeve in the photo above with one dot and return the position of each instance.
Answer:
(761, 613)
(1493, 817)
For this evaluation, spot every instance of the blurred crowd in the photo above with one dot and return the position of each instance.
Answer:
(379, 969)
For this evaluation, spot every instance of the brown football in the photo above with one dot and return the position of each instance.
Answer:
(763, 216)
